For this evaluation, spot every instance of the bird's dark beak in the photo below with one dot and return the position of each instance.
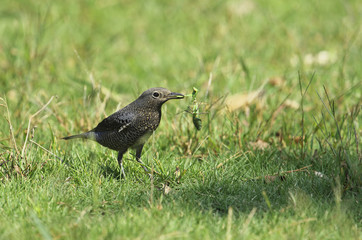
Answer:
(174, 95)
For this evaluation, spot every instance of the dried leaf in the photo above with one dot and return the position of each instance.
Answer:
(291, 104)
(17, 169)
(269, 179)
(241, 8)
(237, 101)
(319, 174)
(177, 172)
(297, 139)
(259, 144)
(165, 188)
(321, 58)
(276, 81)
(272, 178)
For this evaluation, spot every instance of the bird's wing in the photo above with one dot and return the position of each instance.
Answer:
(118, 121)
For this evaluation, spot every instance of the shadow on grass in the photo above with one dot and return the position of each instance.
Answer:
(243, 196)
(217, 192)
(295, 195)
(110, 171)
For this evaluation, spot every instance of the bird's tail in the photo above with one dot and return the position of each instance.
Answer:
(82, 135)
(87, 135)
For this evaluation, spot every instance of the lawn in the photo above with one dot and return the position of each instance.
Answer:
(278, 155)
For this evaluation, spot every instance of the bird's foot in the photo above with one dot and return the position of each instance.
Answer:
(123, 175)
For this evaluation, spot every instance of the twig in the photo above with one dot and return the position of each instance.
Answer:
(200, 144)
(285, 172)
(208, 85)
(357, 141)
(107, 92)
(10, 125)
(248, 220)
(303, 221)
(29, 123)
(229, 224)
(45, 149)
(302, 107)
(236, 155)
(296, 170)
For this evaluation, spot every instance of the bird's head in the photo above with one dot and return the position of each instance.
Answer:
(158, 96)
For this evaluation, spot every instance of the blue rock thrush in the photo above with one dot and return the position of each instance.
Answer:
(131, 126)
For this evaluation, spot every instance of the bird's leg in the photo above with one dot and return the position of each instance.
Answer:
(138, 158)
(119, 158)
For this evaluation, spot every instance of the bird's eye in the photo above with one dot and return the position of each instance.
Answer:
(155, 94)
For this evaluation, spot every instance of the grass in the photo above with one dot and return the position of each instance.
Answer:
(278, 156)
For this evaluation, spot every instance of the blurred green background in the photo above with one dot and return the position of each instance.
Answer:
(133, 45)
(70, 48)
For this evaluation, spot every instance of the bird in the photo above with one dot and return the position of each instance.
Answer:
(131, 126)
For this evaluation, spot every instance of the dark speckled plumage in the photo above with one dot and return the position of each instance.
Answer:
(131, 126)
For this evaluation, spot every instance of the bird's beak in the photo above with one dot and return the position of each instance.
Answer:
(174, 95)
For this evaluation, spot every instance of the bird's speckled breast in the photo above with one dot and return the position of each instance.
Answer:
(140, 141)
